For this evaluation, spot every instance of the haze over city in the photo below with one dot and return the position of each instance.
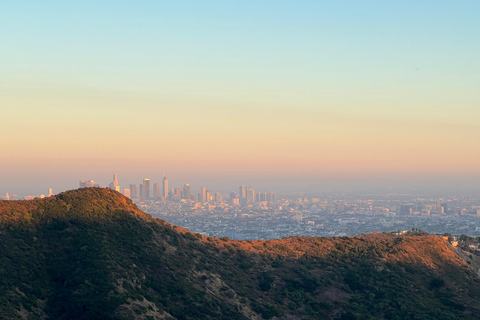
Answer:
(285, 96)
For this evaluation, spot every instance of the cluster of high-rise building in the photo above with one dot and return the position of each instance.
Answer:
(147, 191)
(246, 196)
(88, 184)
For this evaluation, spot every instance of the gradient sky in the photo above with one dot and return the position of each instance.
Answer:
(222, 93)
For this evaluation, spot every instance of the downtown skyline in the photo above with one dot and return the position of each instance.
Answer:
(149, 190)
(159, 185)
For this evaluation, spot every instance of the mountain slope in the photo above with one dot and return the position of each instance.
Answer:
(92, 254)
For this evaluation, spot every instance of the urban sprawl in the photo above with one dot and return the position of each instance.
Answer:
(251, 215)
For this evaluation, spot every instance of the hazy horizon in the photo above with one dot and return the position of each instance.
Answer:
(373, 185)
(283, 96)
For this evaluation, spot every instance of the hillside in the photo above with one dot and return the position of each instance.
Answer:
(92, 254)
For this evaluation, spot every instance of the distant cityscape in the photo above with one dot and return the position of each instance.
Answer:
(246, 195)
(249, 215)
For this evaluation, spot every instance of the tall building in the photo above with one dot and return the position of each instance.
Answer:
(87, 184)
(242, 192)
(209, 196)
(50, 192)
(126, 193)
(7, 196)
(262, 196)
(165, 188)
(156, 191)
(443, 208)
(133, 191)
(114, 184)
(271, 197)
(146, 188)
(186, 192)
(250, 195)
(178, 193)
(203, 194)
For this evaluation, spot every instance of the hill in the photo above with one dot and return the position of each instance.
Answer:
(92, 254)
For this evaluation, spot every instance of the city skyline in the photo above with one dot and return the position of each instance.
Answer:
(228, 187)
(252, 214)
(300, 97)
(144, 191)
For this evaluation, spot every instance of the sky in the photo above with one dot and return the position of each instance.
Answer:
(282, 95)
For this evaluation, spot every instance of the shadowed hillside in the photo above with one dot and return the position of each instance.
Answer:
(92, 254)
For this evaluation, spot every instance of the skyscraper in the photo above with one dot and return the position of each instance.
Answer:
(156, 191)
(165, 188)
(50, 192)
(178, 193)
(443, 208)
(142, 192)
(203, 194)
(133, 191)
(126, 193)
(186, 191)
(146, 188)
(242, 193)
(271, 196)
(87, 184)
(250, 195)
(262, 196)
(114, 184)
(7, 196)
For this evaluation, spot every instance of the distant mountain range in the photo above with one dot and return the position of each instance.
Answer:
(92, 254)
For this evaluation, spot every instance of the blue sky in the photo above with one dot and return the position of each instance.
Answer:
(234, 84)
